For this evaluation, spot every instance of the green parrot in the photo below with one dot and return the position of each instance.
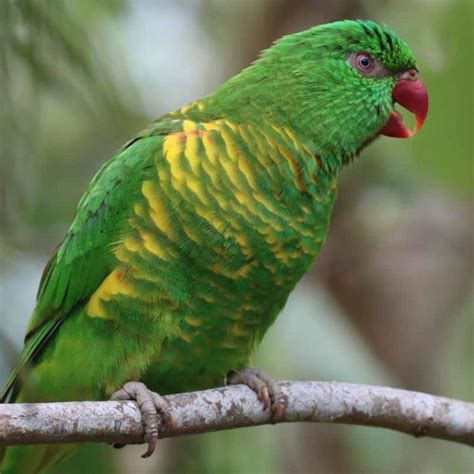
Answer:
(187, 243)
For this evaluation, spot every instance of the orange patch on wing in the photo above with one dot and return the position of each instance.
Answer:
(119, 274)
(183, 135)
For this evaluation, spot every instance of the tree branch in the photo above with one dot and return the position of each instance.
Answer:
(237, 406)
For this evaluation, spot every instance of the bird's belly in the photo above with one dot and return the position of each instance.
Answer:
(226, 306)
(212, 343)
(220, 285)
(222, 324)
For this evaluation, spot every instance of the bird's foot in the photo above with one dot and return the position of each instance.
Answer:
(154, 408)
(267, 389)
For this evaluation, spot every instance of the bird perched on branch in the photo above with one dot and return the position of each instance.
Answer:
(187, 243)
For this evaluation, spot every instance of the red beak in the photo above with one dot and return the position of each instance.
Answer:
(411, 94)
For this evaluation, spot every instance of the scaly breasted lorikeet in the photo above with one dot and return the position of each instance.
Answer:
(187, 243)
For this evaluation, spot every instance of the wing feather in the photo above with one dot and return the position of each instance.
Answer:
(85, 256)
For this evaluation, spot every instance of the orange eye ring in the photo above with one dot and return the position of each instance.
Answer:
(364, 62)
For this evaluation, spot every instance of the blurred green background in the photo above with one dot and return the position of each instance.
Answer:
(389, 302)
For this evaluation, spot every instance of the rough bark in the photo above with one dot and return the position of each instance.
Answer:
(237, 406)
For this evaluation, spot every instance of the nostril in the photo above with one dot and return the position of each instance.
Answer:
(410, 75)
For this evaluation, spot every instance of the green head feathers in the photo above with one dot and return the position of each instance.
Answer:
(332, 84)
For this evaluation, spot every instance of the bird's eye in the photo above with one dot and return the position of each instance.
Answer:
(364, 62)
(367, 65)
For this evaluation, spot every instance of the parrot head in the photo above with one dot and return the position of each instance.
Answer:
(384, 70)
(337, 84)
(353, 74)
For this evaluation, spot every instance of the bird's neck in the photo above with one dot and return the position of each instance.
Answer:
(247, 108)
(248, 102)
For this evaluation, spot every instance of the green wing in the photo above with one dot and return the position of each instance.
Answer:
(85, 256)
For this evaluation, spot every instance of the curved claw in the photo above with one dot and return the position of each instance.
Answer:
(265, 397)
(154, 408)
(267, 390)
